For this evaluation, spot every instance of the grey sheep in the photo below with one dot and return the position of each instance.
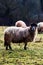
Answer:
(19, 35)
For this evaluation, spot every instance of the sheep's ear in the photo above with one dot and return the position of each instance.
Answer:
(34, 24)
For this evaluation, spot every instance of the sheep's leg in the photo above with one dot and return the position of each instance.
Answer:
(7, 47)
(25, 46)
(10, 47)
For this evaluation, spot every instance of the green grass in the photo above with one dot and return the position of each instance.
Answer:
(18, 56)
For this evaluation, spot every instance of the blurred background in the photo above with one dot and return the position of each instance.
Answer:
(27, 10)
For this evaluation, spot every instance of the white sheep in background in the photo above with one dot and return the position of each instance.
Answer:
(20, 23)
(40, 26)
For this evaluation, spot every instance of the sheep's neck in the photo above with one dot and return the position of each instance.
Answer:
(32, 35)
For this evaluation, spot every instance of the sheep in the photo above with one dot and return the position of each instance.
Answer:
(40, 27)
(19, 35)
(20, 23)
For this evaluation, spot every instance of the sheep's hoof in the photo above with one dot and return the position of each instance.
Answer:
(25, 48)
(7, 49)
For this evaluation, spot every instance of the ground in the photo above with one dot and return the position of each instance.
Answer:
(18, 56)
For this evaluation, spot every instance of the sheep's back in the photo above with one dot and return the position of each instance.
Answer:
(17, 32)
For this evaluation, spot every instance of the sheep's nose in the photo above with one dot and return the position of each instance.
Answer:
(33, 28)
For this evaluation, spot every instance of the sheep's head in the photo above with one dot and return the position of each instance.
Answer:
(33, 27)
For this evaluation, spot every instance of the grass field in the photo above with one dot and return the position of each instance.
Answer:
(32, 56)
